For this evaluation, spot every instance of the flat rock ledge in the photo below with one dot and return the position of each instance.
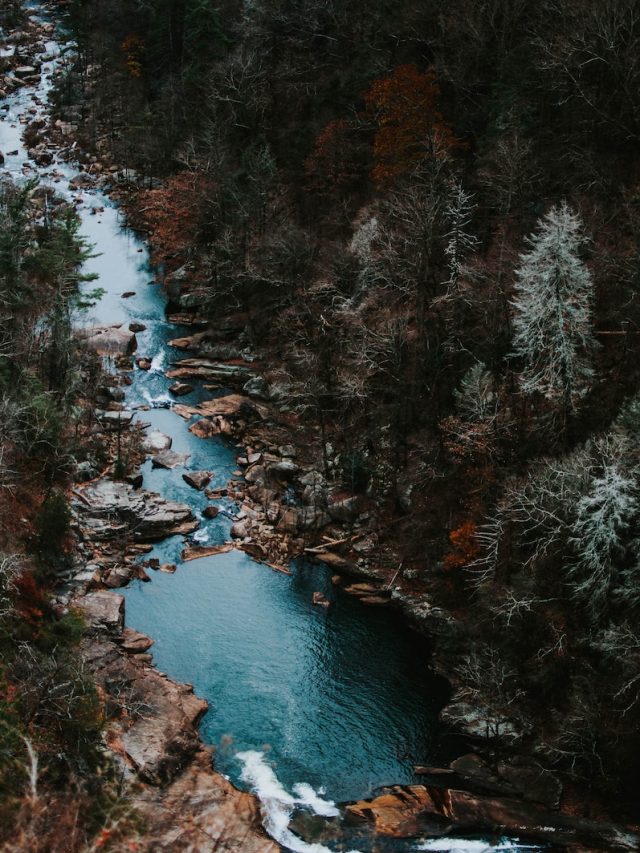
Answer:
(109, 509)
(417, 810)
(152, 733)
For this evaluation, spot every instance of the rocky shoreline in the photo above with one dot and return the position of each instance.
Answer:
(154, 737)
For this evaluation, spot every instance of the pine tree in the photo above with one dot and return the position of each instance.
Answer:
(552, 311)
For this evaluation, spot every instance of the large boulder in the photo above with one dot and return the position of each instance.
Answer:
(169, 459)
(344, 508)
(197, 479)
(110, 505)
(103, 610)
(110, 340)
(156, 441)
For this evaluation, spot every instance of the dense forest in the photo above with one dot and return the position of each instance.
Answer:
(425, 220)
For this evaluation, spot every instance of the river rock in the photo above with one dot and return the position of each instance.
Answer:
(211, 511)
(137, 327)
(344, 508)
(23, 71)
(197, 479)
(179, 389)
(312, 518)
(134, 641)
(157, 735)
(215, 809)
(169, 459)
(144, 363)
(149, 516)
(284, 470)
(412, 810)
(109, 340)
(103, 610)
(232, 405)
(320, 599)
(156, 441)
(256, 474)
(114, 420)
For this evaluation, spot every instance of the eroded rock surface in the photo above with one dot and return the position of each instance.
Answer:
(108, 508)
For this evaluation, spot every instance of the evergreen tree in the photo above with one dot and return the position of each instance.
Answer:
(552, 311)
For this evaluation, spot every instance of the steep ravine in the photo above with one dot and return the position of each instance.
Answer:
(307, 704)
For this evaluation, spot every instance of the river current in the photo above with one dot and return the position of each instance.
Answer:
(307, 705)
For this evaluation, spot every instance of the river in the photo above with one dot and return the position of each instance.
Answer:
(307, 704)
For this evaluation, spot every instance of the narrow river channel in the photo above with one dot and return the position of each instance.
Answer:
(306, 704)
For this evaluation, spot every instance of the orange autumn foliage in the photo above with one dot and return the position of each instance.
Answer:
(172, 214)
(464, 546)
(132, 48)
(337, 158)
(410, 126)
(30, 601)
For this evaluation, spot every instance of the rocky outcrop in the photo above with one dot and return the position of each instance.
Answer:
(156, 441)
(409, 811)
(109, 340)
(169, 459)
(103, 610)
(107, 509)
(197, 479)
(187, 807)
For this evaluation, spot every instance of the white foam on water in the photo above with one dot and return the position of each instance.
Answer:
(158, 362)
(464, 845)
(201, 536)
(277, 804)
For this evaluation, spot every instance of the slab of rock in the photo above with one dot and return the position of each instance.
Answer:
(344, 508)
(200, 805)
(169, 459)
(156, 441)
(284, 469)
(408, 811)
(197, 479)
(233, 405)
(204, 368)
(114, 420)
(179, 389)
(103, 610)
(146, 514)
(134, 641)
(109, 340)
(195, 552)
